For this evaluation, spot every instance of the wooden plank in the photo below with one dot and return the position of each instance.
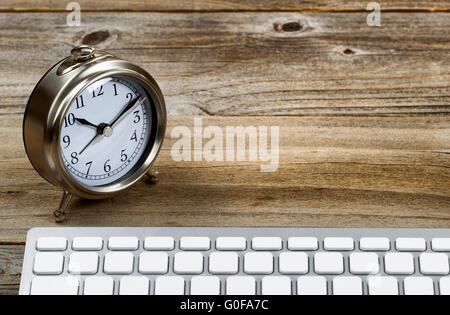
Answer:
(245, 64)
(334, 172)
(10, 289)
(228, 5)
(10, 268)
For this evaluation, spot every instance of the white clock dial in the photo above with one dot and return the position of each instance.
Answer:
(106, 131)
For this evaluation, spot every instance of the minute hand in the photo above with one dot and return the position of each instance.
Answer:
(125, 110)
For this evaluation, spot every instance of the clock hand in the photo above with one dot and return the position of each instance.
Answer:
(87, 145)
(85, 122)
(130, 106)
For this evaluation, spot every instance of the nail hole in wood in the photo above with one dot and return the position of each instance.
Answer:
(95, 38)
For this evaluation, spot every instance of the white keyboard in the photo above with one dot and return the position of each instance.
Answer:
(236, 261)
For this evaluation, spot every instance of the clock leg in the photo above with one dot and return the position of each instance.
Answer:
(153, 176)
(60, 214)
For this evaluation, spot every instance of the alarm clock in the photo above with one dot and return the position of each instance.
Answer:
(94, 125)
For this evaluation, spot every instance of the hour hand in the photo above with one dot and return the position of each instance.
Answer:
(85, 122)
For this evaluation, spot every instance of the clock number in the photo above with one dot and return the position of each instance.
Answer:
(89, 164)
(69, 120)
(100, 92)
(115, 90)
(123, 156)
(134, 137)
(74, 156)
(130, 96)
(137, 118)
(66, 140)
(80, 102)
(107, 167)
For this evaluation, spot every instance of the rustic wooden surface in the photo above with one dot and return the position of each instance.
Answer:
(225, 5)
(364, 112)
(242, 64)
(10, 268)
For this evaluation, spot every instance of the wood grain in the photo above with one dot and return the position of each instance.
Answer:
(245, 64)
(334, 171)
(223, 5)
(10, 268)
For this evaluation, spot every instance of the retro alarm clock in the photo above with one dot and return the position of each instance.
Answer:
(94, 125)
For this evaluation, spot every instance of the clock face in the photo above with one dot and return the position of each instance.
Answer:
(107, 131)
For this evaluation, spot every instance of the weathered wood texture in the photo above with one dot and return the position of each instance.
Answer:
(10, 268)
(345, 172)
(228, 5)
(244, 63)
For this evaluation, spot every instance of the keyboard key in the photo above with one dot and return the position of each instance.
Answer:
(379, 244)
(444, 286)
(134, 286)
(303, 243)
(195, 243)
(364, 263)
(241, 285)
(169, 286)
(399, 264)
(329, 263)
(312, 286)
(294, 263)
(411, 244)
(123, 243)
(188, 263)
(83, 263)
(159, 243)
(54, 286)
(347, 286)
(48, 263)
(434, 264)
(99, 286)
(224, 263)
(153, 263)
(441, 244)
(205, 285)
(119, 263)
(231, 243)
(276, 286)
(267, 243)
(87, 244)
(383, 286)
(419, 286)
(258, 263)
(339, 244)
(51, 244)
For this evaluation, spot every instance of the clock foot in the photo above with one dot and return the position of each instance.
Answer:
(60, 214)
(153, 176)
